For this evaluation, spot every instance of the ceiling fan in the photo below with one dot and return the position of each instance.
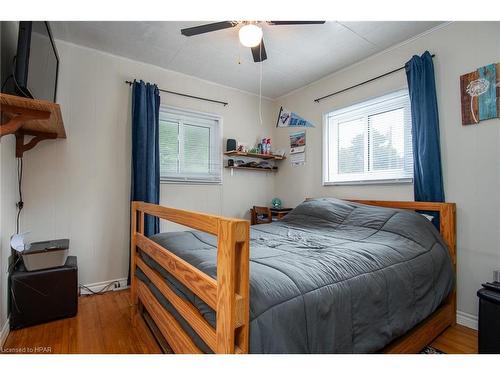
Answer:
(250, 33)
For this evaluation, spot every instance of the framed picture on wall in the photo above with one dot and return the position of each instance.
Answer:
(480, 94)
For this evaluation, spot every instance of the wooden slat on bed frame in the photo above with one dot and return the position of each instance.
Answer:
(228, 296)
(177, 338)
(185, 308)
(201, 284)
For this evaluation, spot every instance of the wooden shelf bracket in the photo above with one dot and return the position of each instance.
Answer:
(24, 117)
(18, 116)
(21, 147)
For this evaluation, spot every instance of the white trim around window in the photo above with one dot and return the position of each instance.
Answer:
(369, 142)
(177, 164)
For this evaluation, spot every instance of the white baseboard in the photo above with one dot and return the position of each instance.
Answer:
(118, 284)
(4, 333)
(466, 319)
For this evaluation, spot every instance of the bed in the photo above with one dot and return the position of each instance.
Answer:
(333, 277)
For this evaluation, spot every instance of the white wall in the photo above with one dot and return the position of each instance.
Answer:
(8, 174)
(471, 155)
(79, 188)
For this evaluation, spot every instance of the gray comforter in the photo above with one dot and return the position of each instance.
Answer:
(332, 277)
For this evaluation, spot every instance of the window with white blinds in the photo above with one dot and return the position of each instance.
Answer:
(190, 146)
(369, 142)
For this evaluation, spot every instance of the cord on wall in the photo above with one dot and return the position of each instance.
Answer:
(260, 84)
(20, 204)
(102, 287)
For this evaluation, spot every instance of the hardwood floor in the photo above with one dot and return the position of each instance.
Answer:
(457, 340)
(104, 325)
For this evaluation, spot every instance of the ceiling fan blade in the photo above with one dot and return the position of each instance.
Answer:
(295, 22)
(259, 52)
(209, 27)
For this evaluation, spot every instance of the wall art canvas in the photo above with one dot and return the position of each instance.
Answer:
(480, 94)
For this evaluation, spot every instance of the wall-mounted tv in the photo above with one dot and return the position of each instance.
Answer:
(37, 61)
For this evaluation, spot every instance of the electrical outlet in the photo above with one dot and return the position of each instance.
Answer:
(496, 276)
(117, 285)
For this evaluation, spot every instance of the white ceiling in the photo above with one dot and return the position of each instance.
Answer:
(297, 55)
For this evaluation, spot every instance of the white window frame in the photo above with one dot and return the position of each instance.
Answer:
(362, 109)
(211, 121)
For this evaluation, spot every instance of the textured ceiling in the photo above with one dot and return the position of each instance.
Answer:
(297, 55)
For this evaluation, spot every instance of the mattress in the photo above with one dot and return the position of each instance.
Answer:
(331, 277)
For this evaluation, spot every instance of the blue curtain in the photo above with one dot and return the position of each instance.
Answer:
(145, 149)
(427, 173)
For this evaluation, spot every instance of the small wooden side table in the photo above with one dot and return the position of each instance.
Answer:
(277, 214)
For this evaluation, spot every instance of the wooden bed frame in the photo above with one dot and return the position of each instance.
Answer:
(228, 296)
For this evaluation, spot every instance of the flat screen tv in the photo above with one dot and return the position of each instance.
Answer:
(37, 61)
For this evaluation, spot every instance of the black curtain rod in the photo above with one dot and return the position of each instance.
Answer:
(359, 84)
(187, 96)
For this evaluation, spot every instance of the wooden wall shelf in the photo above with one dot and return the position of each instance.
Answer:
(250, 155)
(253, 169)
(38, 119)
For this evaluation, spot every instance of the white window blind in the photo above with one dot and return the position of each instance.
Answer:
(369, 142)
(190, 146)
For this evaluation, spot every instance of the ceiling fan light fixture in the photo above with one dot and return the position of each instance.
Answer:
(250, 35)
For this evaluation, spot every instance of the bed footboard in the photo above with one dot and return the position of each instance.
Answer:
(228, 296)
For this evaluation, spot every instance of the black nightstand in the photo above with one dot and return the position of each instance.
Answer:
(44, 295)
(489, 321)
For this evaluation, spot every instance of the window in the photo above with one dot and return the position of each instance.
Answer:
(190, 146)
(369, 142)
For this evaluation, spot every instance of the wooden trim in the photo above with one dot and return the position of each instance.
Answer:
(196, 220)
(242, 263)
(232, 280)
(186, 309)
(198, 282)
(160, 339)
(133, 247)
(424, 333)
(252, 155)
(30, 115)
(178, 340)
(228, 296)
(18, 116)
(22, 147)
(234, 168)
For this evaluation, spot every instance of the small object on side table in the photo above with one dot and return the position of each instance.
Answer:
(489, 319)
(46, 254)
(44, 295)
(276, 203)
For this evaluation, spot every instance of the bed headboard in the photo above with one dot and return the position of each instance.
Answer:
(447, 217)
